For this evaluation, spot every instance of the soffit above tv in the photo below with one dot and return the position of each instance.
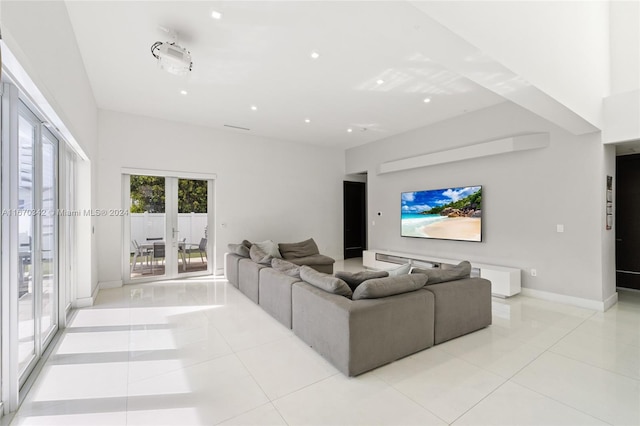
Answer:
(483, 149)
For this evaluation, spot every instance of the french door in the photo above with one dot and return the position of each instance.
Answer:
(167, 226)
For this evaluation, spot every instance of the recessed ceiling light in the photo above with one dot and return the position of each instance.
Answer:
(216, 15)
(349, 130)
(254, 108)
(380, 81)
(427, 100)
(306, 120)
(183, 92)
(315, 55)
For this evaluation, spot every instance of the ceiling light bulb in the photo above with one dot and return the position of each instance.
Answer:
(254, 108)
(183, 92)
(315, 55)
(216, 15)
(380, 81)
(349, 130)
(427, 100)
(306, 120)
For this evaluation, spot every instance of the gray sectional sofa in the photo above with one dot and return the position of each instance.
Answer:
(382, 320)
(359, 335)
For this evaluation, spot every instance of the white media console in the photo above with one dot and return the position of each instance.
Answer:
(505, 281)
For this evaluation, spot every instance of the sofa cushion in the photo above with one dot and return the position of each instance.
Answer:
(247, 243)
(287, 268)
(325, 282)
(400, 270)
(259, 256)
(436, 275)
(353, 280)
(270, 248)
(383, 287)
(239, 249)
(301, 249)
(316, 259)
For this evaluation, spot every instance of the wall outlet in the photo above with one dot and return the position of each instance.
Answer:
(559, 228)
(534, 273)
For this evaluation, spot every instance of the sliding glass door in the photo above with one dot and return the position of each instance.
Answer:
(167, 228)
(37, 224)
(32, 304)
(48, 288)
(26, 232)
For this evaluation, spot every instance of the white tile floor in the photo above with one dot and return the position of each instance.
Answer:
(199, 352)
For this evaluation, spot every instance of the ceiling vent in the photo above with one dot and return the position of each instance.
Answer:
(172, 57)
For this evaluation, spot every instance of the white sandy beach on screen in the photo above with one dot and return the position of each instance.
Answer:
(457, 228)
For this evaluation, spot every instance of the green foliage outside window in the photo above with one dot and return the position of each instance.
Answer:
(148, 195)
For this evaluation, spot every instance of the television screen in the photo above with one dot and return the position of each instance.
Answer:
(449, 214)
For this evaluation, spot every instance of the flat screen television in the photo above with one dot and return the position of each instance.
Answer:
(447, 214)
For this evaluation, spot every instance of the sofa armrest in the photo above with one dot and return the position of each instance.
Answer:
(249, 278)
(231, 261)
(357, 336)
(275, 294)
(461, 306)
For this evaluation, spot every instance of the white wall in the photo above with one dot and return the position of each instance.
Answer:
(40, 36)
(525, 195)
(622, 108)
(625, 46)
(561, 47)
(608, 236)
(265, 189)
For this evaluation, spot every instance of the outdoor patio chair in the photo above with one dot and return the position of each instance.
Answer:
(139, 252)
(158, 253)
(202, 248)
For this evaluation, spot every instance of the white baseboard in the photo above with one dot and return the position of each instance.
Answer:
(571, 300)
(110, 284)
(85, 302)
(632, 290)
(610, 301)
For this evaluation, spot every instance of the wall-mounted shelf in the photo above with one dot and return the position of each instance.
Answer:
(505, 281)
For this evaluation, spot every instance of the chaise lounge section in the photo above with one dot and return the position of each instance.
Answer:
(303, 253)
(359, 335)
(461, 307)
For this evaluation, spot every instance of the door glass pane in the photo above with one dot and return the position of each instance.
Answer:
(148, 224)
(26, 304)
(49, 250)
(192, 225)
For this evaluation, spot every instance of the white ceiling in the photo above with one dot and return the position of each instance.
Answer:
(259, 54)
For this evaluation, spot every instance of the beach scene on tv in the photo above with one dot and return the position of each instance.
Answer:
(452, 214)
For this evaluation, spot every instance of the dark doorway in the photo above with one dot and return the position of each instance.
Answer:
(355, 218)
(627, 222)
